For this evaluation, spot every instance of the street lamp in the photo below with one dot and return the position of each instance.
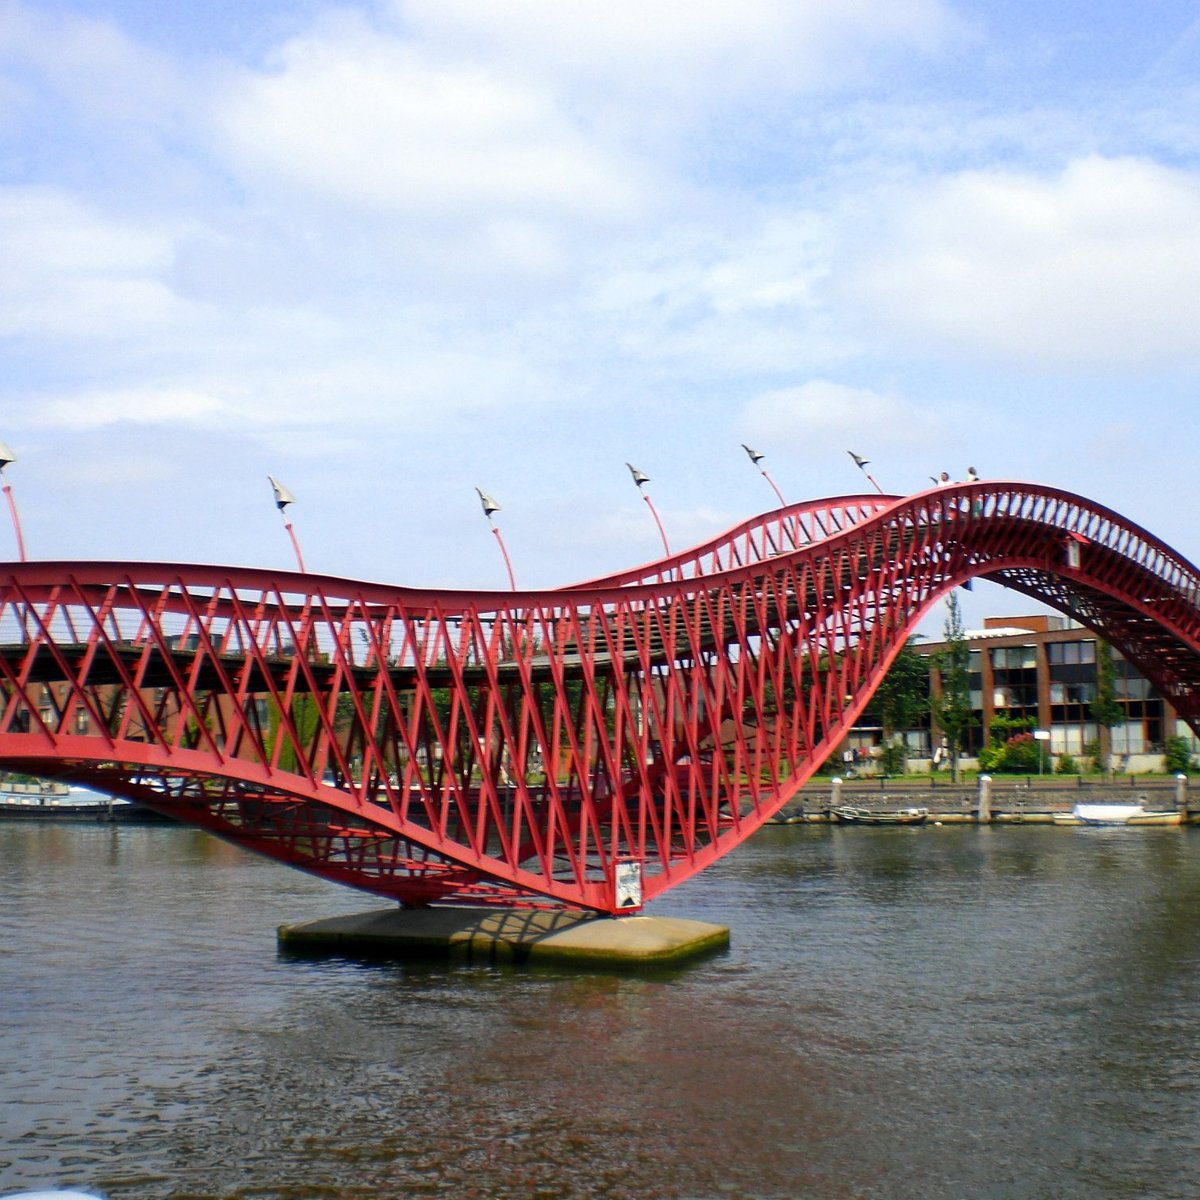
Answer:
(6, 457)
(1041, 736)
(282, 499)
(862, 463)
(641, 479)
(489, 507)
(756, 457)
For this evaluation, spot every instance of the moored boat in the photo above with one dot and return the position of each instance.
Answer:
(1117, 814)
(70, 804)
(847, 815)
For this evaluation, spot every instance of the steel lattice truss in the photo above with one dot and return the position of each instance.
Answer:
(516, 747)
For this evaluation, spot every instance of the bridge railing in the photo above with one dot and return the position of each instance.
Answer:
(450, 744)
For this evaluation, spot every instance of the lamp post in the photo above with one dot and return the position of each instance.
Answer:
(489, 507)
(6, 457)
(756, 458)
(862, 463)
(1041, 736)
(641, 479)
(282, 499)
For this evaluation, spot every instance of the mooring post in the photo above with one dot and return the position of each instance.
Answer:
(985, 799)
(835, 793)
(1181, 795)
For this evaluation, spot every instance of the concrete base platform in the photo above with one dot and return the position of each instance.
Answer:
(564, 938)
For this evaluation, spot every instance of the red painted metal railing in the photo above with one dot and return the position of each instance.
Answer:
(532, 747)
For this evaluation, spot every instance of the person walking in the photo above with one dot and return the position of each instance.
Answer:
(977, 504)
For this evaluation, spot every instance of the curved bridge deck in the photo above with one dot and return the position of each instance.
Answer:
(590, 745)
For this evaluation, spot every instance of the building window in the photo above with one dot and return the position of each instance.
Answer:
(1071, 739)
(1129, 738)
(1071, 653)
(1015, 658)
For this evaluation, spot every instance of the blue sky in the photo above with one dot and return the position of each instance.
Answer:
(392, 251)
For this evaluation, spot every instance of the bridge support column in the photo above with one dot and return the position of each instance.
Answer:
(985, 799)
(564, 937)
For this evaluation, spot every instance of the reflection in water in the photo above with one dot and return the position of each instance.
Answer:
(933, 1013)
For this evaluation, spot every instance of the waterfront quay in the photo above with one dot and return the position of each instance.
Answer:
(996, 801)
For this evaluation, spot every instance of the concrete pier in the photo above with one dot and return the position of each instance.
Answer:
(562, 937)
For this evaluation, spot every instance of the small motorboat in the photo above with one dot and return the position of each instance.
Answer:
(1116, 814)
(880, 816)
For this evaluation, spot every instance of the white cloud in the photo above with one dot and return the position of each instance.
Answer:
(733, 300)
(821, 417)
(626, 536)
(287, 378)
(1095, 266)
(510, 136)
(72, 272)
(91, 62)
(683, 52)
(371, 122)
(168, 405)
(765, 264)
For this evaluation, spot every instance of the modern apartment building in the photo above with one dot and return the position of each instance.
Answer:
(1043, 669)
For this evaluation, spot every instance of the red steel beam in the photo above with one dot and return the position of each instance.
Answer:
(516, 748)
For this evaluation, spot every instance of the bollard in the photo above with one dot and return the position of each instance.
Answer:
(1181, 795)
(985, 799)
(835, 793)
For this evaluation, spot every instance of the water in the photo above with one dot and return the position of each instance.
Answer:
(938, 1012)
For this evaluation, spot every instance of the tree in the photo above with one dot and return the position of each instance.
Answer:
(903, 696)
(952, 710)
(1106, 710)
(901, 701)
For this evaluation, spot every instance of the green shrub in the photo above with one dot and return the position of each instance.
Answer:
(1023, 753)
(1066, 765)
(1002, 727)
(1178, 756)
(991, 758)
(1020, 754)
(892, 758)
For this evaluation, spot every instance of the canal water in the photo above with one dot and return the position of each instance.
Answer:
(937, 1012)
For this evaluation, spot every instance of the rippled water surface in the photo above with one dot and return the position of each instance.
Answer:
(938, 1012)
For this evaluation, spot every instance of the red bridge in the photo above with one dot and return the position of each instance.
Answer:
(536, 747)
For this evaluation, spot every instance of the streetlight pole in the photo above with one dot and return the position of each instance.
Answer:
(489, 507)
(282, 499)
(640, 479)
(1041, 736)
(756, 458)
(862, 463)
(6, 457)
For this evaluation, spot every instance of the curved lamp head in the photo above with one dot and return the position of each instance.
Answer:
(6, 456)
(489, 505)
(282, 496)
(755, 456)
(638, 477)
(859, 461)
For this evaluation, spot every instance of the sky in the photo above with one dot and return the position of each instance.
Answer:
(390, 251)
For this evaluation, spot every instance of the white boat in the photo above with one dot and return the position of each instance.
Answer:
(69, 804)
(1116, 814)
